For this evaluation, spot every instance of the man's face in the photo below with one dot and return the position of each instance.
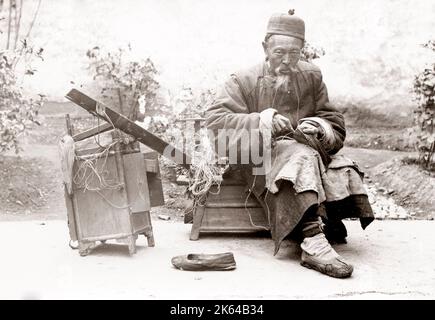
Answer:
(283, 53)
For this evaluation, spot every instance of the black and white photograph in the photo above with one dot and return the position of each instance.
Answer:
(205, 150)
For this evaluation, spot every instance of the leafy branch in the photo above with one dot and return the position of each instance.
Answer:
(423, 130)
(17, 111)
(125, 81)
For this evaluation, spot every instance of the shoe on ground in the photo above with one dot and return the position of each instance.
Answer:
(205, 262)
(318, 254)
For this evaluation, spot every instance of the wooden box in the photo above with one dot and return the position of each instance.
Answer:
(230, 209)
(119, 207)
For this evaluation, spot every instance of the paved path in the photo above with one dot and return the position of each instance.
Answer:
(393, 260)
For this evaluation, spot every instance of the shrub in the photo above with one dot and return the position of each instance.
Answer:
(310, 52)
(423, 130)
(127, 83)
(17, 112)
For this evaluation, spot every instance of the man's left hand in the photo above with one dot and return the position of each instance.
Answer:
(308, 128)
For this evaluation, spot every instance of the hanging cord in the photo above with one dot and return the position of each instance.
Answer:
(87, 169)
(265, 202)
(249, 212)
(204, 172)
(90, 169)
(297, 97)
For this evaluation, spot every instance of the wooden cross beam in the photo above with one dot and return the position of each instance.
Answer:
(101, 128)
(129, 127)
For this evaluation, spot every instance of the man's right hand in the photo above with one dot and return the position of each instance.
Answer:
(280, 125)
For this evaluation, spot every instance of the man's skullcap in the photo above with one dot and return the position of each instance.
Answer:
(286, 24)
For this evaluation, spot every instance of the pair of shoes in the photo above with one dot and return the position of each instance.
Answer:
(205, 262)
(318, 254)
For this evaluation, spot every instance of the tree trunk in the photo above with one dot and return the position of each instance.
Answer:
(9, 25)
(18, 22)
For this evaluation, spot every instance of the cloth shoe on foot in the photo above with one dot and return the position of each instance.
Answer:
(318, 254)
(205, 262)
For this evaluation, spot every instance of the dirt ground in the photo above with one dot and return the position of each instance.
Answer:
(392, 260)
(395, 139)
(413, 187)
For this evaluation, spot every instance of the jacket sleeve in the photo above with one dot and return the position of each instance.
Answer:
(230, 119)
(328, 118)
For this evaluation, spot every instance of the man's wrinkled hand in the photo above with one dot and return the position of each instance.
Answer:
(281, 124)
(308, 128)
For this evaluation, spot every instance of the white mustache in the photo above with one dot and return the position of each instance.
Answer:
(291, 67)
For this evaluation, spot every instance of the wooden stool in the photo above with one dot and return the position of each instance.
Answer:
(229, 210)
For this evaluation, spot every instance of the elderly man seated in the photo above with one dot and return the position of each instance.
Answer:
(307, 189)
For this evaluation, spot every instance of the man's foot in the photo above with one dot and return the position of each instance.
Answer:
(318, 254)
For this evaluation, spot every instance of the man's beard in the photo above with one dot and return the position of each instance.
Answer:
(282, 81)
